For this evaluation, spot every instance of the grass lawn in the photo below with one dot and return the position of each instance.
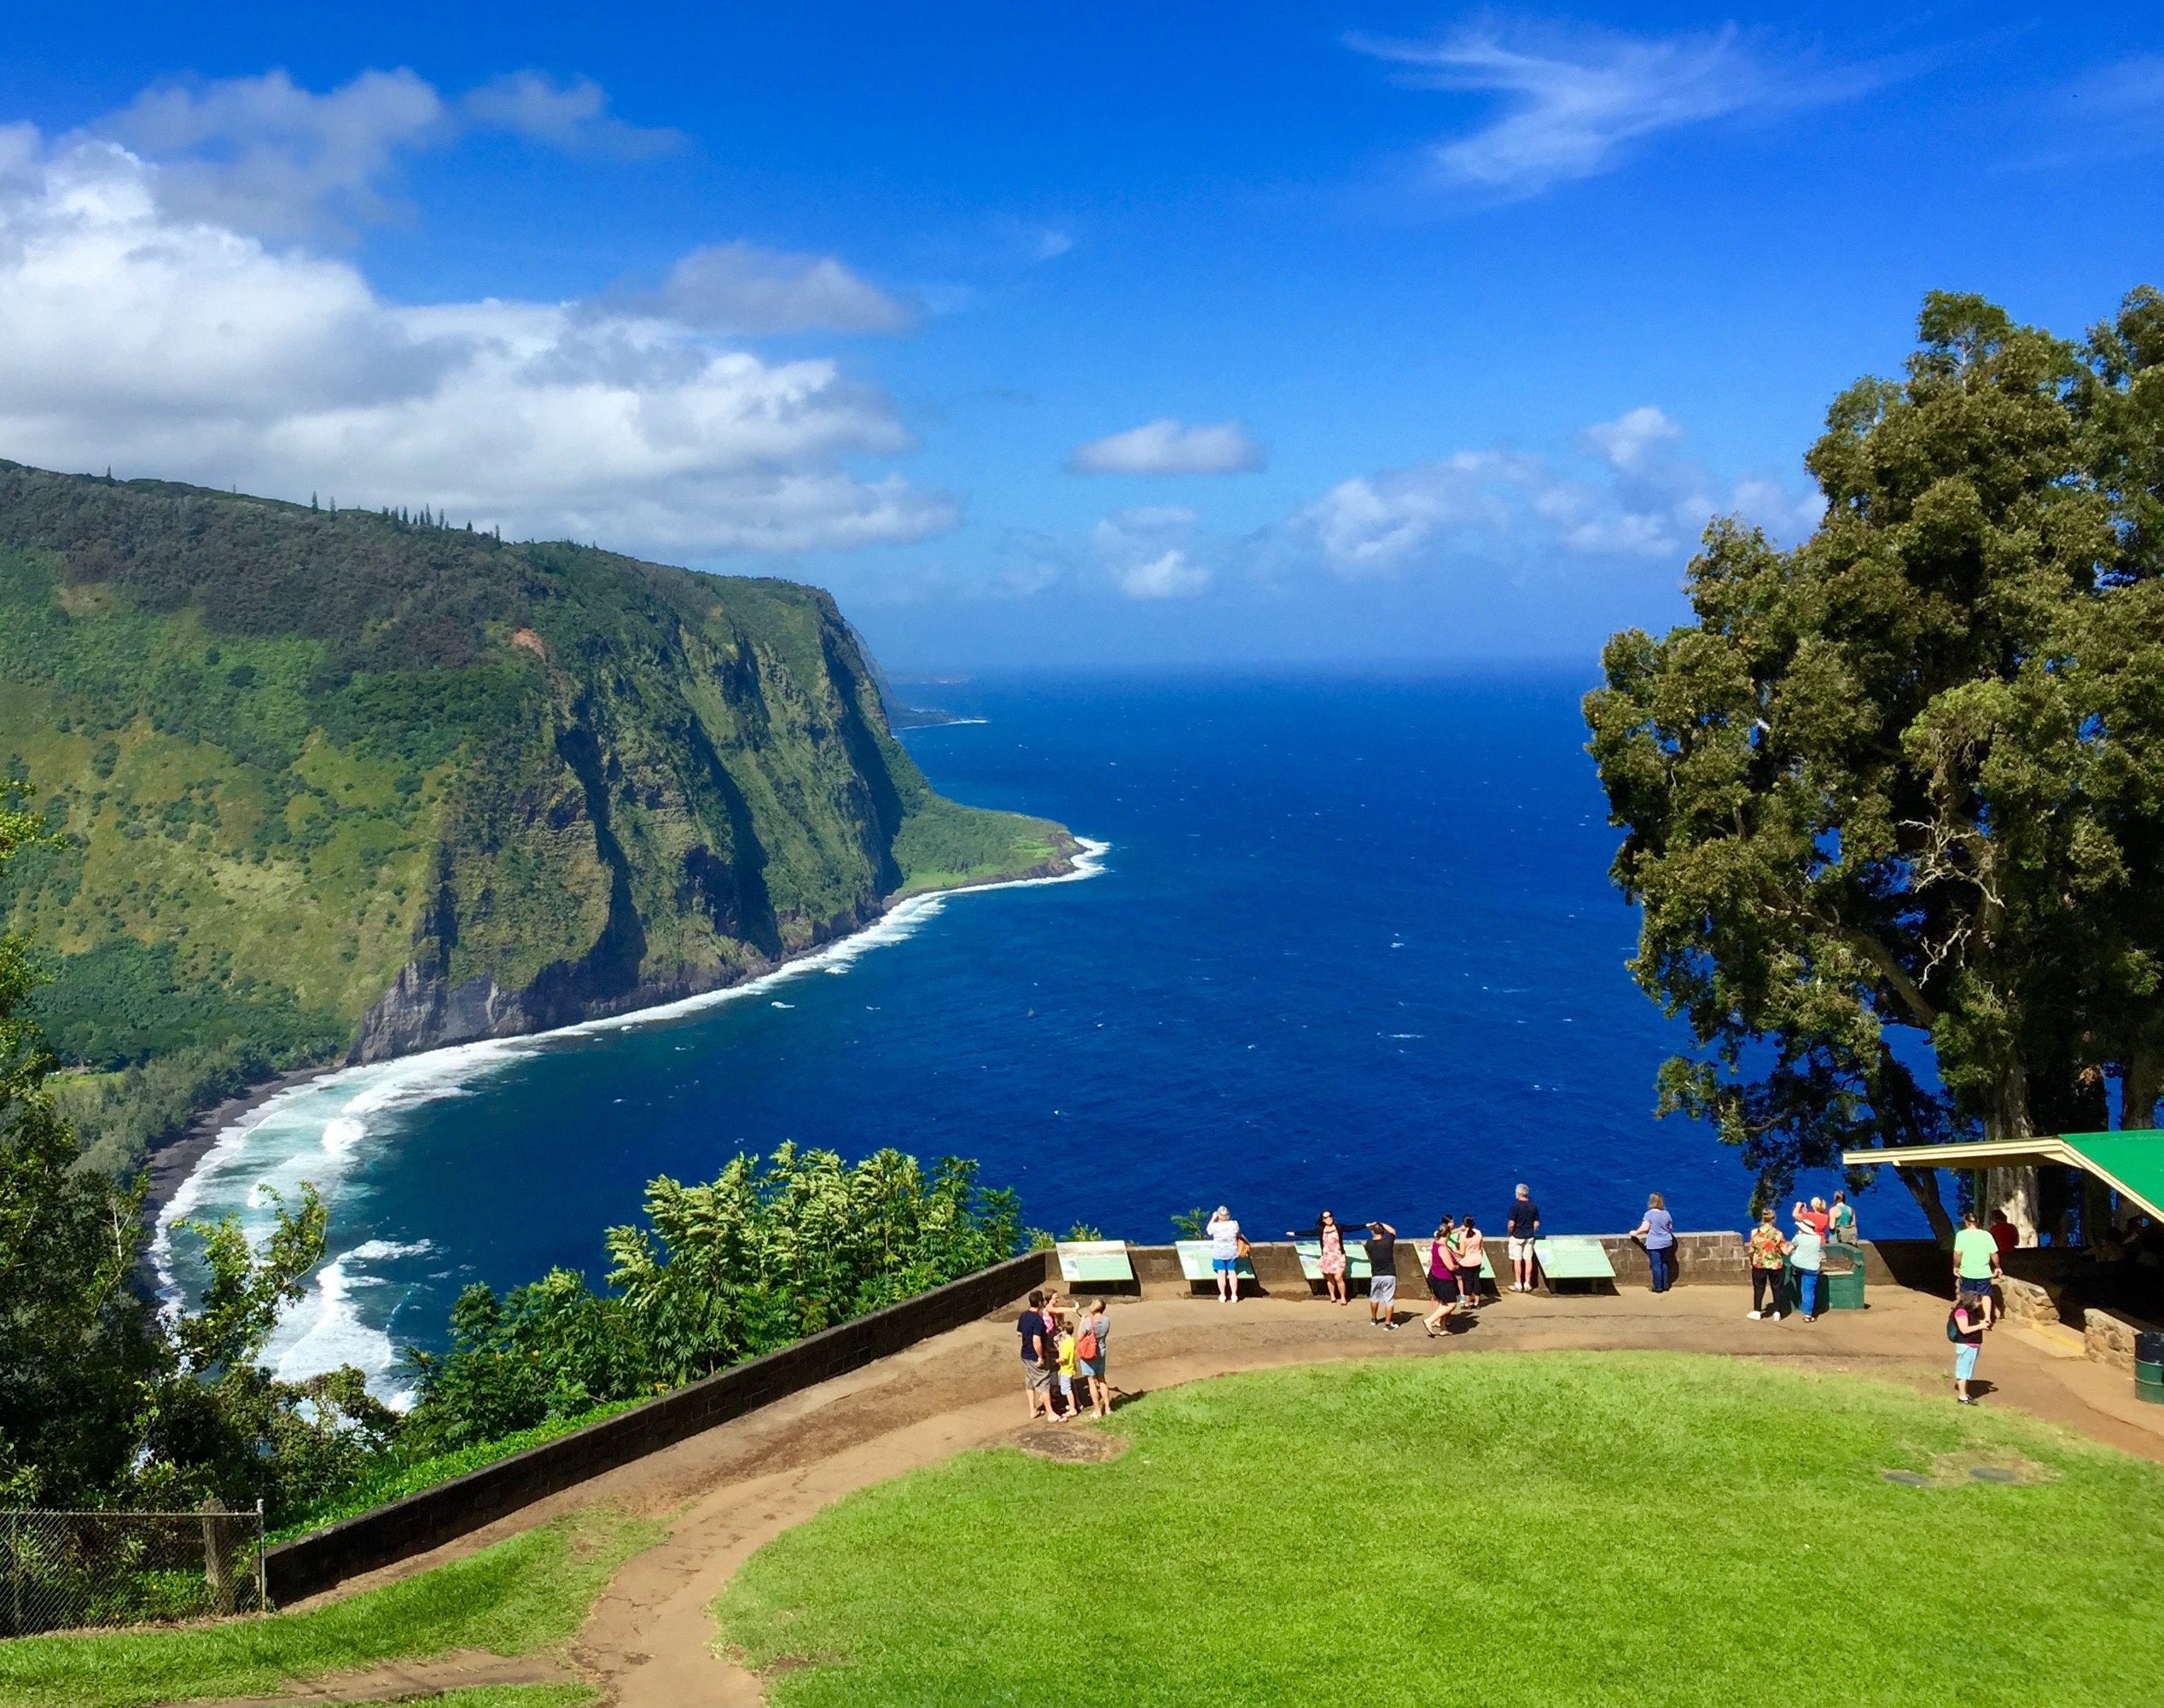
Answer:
(1554, 1528)
(520, 1595)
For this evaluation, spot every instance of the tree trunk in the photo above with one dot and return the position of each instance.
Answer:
(1923, 1186)
(2013, 1191)
(2008, 1116)
(2141, 1088)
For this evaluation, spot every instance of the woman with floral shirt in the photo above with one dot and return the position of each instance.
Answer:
(1769, 1255)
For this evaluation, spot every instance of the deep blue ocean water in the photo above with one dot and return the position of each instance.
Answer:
(1353, 944)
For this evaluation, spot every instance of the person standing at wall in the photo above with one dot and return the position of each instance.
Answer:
(1658, 1231)
(1332, 1262)
(1807, 1256)
(1225, 1254)
(1472, 1252)
(1382, 1279)
(1442, 1278)
(1521, 1229)
(1843, 1231)
(1769, 1257)
(1975, 1264)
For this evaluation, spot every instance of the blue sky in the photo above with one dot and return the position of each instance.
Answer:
(1054, 336)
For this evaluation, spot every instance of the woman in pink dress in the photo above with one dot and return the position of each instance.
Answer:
(1333, 1259)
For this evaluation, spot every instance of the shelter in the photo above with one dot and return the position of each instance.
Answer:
(2131, 1163)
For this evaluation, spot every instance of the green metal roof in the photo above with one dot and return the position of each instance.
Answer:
(2131, 1163)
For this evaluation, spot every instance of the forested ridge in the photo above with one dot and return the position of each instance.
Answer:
(337, 782)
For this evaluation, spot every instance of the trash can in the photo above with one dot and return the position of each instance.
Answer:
(2148, 1382)
(1844, 1285)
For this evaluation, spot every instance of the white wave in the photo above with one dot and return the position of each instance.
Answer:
(324, 1331)
(372, 1251)
(320, 1132)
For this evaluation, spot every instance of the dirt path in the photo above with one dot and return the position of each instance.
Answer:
(730, 1491)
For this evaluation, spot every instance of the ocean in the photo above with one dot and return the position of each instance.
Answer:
(1344, 941)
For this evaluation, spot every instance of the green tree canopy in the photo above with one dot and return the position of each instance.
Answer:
(1911, 774)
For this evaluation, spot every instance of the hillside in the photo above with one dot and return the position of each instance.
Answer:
(343, 786)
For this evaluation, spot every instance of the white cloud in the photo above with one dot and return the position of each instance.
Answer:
(1576, 97)
(1491, 507)
(180, 346)
(741, 287)
(571, 116)
(1167, 576)
(262, 155)
(1147, 552)
(1166, 447)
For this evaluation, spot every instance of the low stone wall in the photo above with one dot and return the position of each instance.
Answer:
(421, 1521)
(1719, 1258)
(2108, 1337)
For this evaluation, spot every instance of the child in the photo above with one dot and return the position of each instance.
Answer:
(1965, 1328)
(1068, 1407)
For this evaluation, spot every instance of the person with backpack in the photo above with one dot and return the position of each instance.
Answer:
(1965, 1328)
(1092, 1330)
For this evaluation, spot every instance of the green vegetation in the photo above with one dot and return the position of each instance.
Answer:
(1911, 774)
(518, 1597)
(1552, 1528)
(758, 1258)
(396, 1473)
(106, 1401)
(297, 760)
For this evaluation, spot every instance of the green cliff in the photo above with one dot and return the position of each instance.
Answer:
(346, 786)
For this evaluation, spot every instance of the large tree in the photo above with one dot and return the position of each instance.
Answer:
(1906, 780)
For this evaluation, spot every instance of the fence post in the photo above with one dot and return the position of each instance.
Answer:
(218, 1555)
(14, 1567)
(262, 1595)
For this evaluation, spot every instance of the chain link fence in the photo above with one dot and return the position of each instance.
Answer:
(65, 1570)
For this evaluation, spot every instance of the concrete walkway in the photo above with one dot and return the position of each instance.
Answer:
(731, 1490)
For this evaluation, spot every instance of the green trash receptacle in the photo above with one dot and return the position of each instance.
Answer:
(1845, 1285)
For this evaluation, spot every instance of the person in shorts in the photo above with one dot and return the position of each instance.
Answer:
(1472, 1252)
(1966, 1326)
(1069, 1405)
(1442, 1279)
(1092, 1333)
(1975, 1264)
(1521, 1229)
(1223, 1235)
(1036, 1332)
(1383, 1282)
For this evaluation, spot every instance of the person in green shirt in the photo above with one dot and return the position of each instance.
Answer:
(1975, 1264)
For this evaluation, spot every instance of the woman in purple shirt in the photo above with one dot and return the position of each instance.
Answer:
(1658, 1231)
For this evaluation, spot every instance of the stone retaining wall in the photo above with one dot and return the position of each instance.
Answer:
(421, 1521)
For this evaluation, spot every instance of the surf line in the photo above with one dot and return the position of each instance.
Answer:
(325, 1144)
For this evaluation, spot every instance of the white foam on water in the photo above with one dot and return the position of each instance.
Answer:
(326, 1131)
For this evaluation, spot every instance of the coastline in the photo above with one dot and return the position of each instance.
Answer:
(173, 1164)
